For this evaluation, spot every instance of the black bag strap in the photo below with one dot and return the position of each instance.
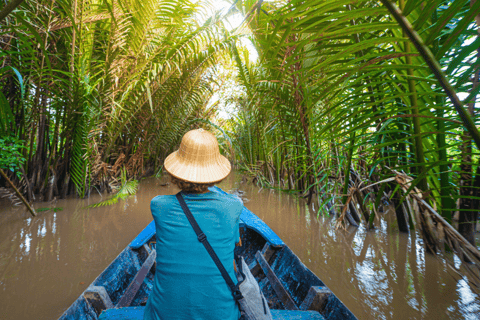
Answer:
(237, 295)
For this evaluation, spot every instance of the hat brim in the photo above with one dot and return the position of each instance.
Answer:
(191, 172)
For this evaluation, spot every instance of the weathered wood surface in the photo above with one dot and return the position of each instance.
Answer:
(267, 253)
(316, 299)
(275, 283)
(98, 297)
(137, 281)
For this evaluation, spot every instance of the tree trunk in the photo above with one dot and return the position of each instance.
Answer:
(19, 194)
(401, 214)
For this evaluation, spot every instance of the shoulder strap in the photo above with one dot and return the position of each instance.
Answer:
(237, 295)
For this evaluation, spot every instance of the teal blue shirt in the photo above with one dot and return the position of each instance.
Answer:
(188, 284)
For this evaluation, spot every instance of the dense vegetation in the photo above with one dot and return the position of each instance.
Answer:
(340, 105)
(89, 87)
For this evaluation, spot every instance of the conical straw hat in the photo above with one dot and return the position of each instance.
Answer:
(198, 159)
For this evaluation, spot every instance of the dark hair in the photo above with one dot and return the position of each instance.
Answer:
(190, 187)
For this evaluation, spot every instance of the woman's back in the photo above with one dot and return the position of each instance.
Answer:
(188, 285)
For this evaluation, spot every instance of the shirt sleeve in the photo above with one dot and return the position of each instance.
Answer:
(237, 222)
(153, 206)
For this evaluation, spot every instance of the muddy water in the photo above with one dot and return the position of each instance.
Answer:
(46, 262)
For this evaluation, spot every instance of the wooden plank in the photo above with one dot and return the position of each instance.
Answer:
(267, 252)
(149, 251)
(135, 285)
(145, 246)
(316, 298)
(275, 282)
(98, 298)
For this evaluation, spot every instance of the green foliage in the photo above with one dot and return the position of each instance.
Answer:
(10, 154)
(6, 115)
(159, 172)
(329, 71)
(101, 83)
(127, 188)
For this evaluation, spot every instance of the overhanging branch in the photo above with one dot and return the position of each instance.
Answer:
(9, 8)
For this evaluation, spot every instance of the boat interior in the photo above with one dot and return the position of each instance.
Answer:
(291, 289)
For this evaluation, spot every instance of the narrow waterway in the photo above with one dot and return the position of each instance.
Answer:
(46, 262)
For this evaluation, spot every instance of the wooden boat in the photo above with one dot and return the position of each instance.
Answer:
(292, 290)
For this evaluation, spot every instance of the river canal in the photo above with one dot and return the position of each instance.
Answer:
(46, 262)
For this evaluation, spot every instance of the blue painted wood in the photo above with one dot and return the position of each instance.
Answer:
(136, 313)
(130, 313)
(249, 219)
(297, 280)
(296, 315)
(79, 310)
(143, 236)
(257, 224)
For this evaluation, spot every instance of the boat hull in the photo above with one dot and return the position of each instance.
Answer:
(285, 281)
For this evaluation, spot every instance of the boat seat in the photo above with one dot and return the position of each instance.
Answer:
(136, 313)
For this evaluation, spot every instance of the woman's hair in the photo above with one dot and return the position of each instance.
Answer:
(190, 187)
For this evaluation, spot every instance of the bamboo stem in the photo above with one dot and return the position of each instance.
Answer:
(434, 66)
(19, 194)
(418, 143)
(349, 164)
(446, 200)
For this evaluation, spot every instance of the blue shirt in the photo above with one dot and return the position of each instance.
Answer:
(188, 284)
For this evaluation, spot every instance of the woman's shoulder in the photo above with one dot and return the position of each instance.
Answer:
(230, 201)
(227, 197)
(162, 200)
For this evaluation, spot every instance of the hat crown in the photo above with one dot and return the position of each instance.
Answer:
(198, 159)
(199, 146)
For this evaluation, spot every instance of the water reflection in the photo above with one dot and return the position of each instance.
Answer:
(47, 261)
(380, 274)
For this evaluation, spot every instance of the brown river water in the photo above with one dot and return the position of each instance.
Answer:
(46, 262)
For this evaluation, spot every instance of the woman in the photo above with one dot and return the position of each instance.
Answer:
(188, 285)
